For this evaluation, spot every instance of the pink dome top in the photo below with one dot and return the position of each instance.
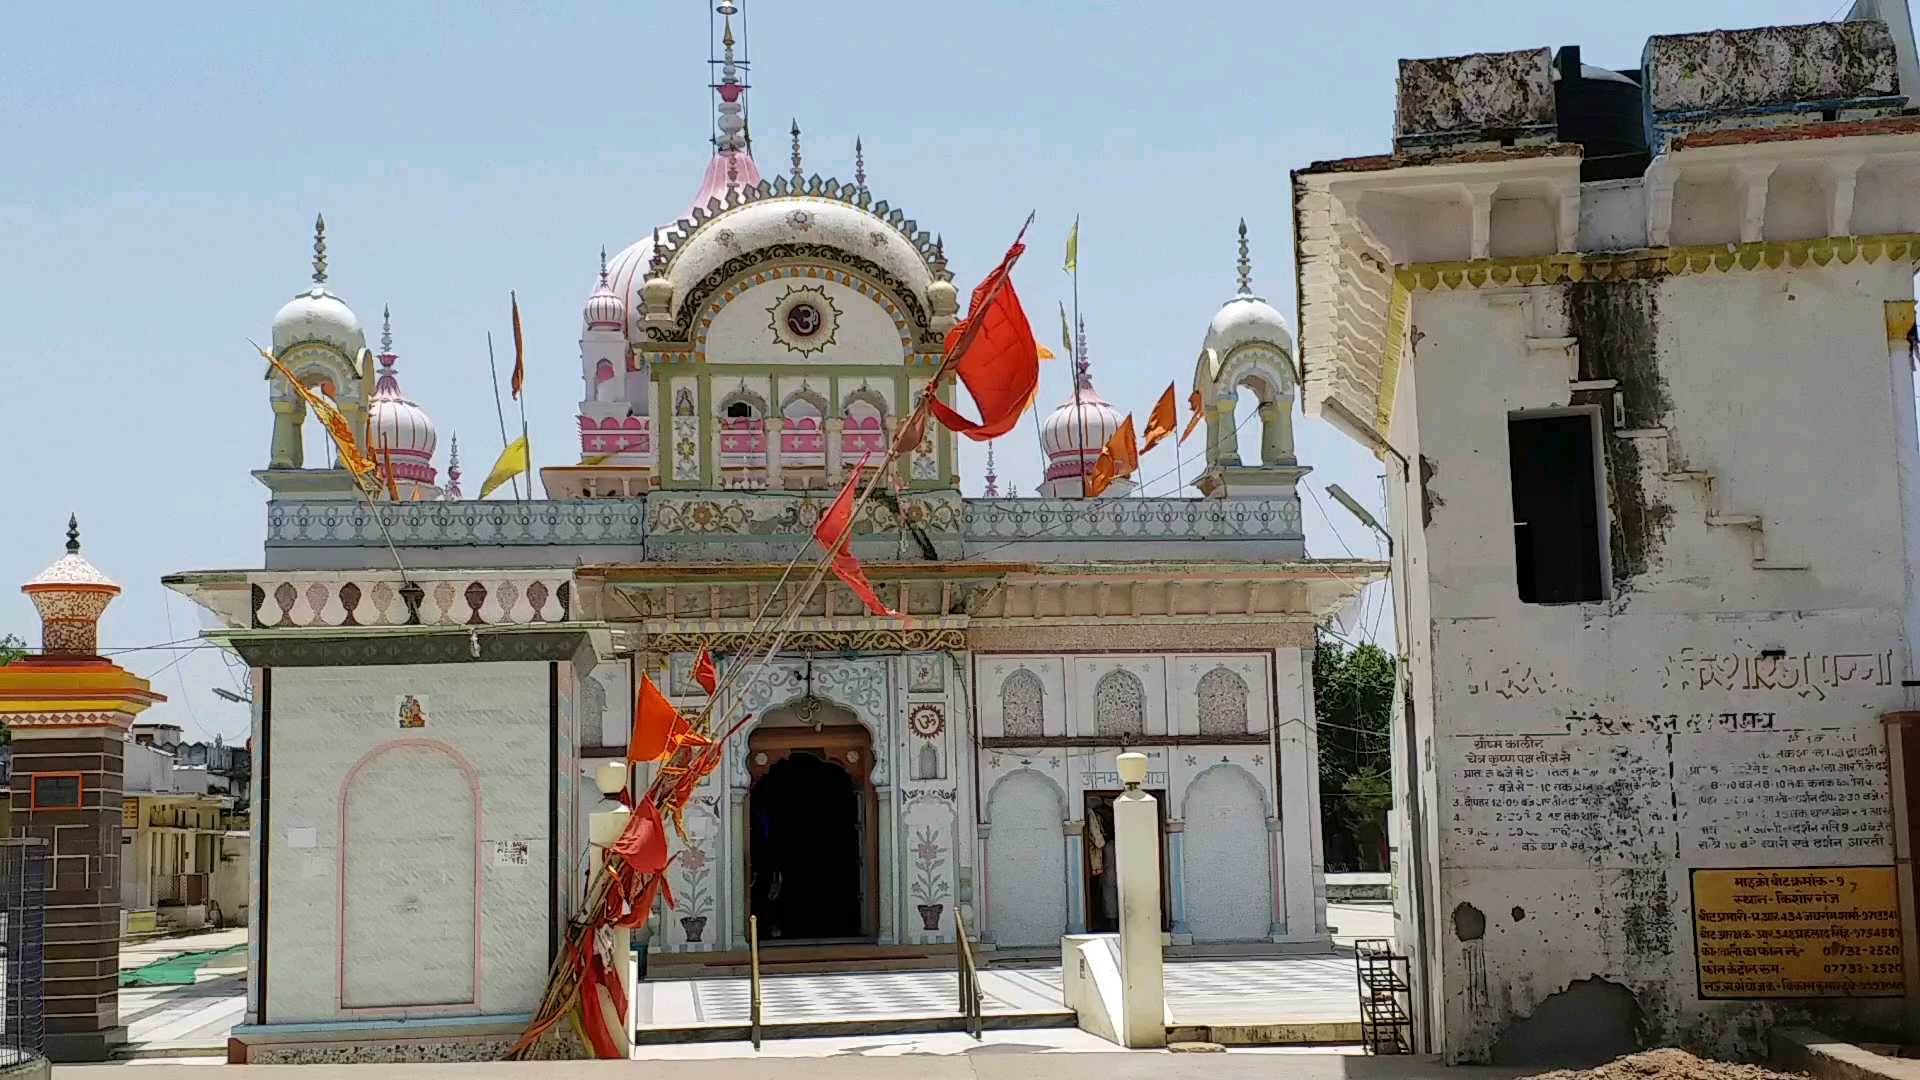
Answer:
(605, 309)
(396, 425)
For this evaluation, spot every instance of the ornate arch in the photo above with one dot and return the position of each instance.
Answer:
(1222, 706)
(868, 395)
(745, 270)
(1032, 700)
(1120, 705)
(743, 394)
(1260, 368)
(1266, 802)
(1059, 794)
(859, 686)
(809, 395)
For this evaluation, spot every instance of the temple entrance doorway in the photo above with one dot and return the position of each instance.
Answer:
(811, 843)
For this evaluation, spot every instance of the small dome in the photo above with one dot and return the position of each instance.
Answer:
(318, 315)
(605, 309)
(1075, 431)
(1248, 318)
(397, 426)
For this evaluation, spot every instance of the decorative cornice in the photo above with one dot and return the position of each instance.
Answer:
(867, 640)
(326, 651)
(674, 239)
(1656, 262)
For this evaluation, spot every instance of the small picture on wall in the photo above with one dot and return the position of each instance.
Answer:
(512, 853)
(927, 673)
(411, 711)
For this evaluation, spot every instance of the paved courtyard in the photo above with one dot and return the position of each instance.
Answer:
(1291, 989)
(196, 1014)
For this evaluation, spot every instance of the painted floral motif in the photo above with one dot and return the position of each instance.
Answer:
(926, 673)
(1022, 705)
(929, 886)
(696, 899)
(1223, 703)
(1120, 705)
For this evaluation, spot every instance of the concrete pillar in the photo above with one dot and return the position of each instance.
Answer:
(286, 451)
(69, 711)
(1076, 872)
(834, 425)
(1136, 828)
(1276, 433)
(1296, 856)
(1223, 441)
(889, 901)
(604, 826)
(1180, 933)
(775, 426)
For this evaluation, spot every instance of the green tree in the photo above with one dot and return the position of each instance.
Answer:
(1353, 705)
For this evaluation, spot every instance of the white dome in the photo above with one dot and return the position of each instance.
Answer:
(1245, 319)
(605, 311)
(1074, 432)
(318, 315)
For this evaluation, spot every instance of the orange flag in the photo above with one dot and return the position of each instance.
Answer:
(834, 535)
(1162, 421)
(519, 351)
(1193, 403)
(1120, 457)
(361, 465)
(705, 673)
(999, 362)
(655, 724)
(393, 488)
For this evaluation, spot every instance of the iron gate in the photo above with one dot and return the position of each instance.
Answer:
(23, 915)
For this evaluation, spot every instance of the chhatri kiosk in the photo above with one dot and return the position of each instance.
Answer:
(435, 679)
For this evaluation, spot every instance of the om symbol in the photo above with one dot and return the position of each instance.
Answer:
(803, 320)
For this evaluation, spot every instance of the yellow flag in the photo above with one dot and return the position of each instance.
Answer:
(1073, 247)
(1066, 332)
(513, 462)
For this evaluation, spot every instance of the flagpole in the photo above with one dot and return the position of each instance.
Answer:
(501, 413)
(519, 359)
(1079, 348)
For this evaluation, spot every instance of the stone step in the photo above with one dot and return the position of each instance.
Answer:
(886, 1025)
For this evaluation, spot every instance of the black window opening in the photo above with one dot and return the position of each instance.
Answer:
(1556, 509)
(740, 410)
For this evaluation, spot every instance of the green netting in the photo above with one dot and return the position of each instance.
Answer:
(175, 970)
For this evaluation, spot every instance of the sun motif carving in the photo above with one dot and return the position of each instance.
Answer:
(804, 319)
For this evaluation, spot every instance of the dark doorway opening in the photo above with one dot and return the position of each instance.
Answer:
(1556, 508)
(1097, 855)
(804, 851)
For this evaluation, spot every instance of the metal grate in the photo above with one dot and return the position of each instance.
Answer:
(23, 915)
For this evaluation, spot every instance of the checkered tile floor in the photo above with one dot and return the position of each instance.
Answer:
(1266, 990)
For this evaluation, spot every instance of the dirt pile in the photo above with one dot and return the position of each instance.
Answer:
(1665, 1065)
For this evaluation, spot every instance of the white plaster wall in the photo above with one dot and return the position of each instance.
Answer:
(742, 332)
(1776, 382)
(1226, 859)
(495, 716)
(993, 671)
(1026, 862)
(1613, 215)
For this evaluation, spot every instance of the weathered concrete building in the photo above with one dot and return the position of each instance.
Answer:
(1636, 348)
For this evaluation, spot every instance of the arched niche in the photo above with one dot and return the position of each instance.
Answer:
(1026, 860)
(1226, 855)
(1267, 375)
(321, 367)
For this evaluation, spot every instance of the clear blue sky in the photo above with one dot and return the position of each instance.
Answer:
(163, 164)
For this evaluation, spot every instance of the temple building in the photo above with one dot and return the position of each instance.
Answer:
(432, 690)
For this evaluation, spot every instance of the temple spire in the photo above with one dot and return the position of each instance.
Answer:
(603, 264)
(453, 468)
(859, 164)
(386, 325)
(799, 176)
(730, 119)
(993, 482)
(1082, 373)
(319, 249)
(73, 534)
(1246, 264)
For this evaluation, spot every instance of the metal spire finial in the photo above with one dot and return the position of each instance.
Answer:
(798, 175)
(603, 264)
(319, 249)
(859, 164)
(992, 490)
(386, 330)
(1081, 372)
(73, 534)
(1246, 264)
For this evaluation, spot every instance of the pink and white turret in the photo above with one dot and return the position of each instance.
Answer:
(398, 429)
(1074, 433)
(452, 493)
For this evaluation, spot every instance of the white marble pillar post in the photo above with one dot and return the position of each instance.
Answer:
(834, 426)
(1296, 855)
(775, 425)
(1136, 829)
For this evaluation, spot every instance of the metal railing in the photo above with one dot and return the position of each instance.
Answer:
(753, 977)
(23, 898)
(969, 976)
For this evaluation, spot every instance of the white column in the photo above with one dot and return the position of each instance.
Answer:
(834, 425)
(1136, 828)
(604, 826)
(1298, 860)
(775, 425)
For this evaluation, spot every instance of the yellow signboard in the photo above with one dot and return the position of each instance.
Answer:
(130, 813)
(1798, 932)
